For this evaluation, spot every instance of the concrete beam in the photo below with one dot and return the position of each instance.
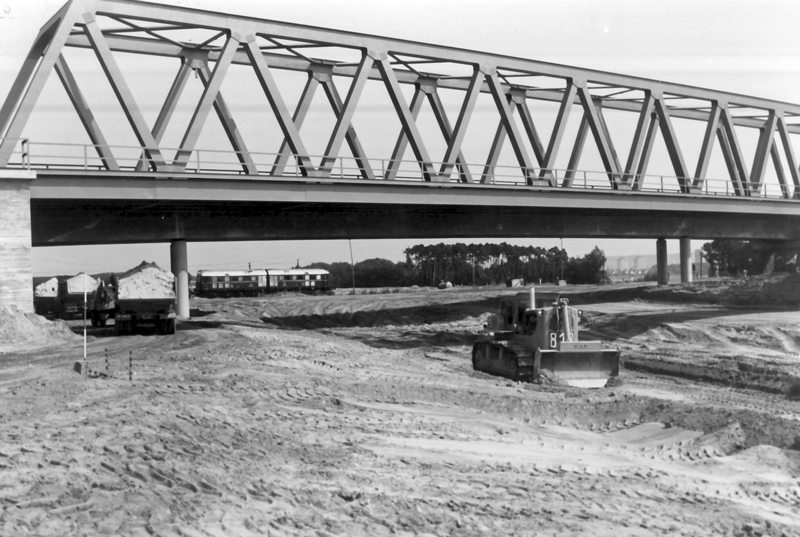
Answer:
(105, 221)
(16, 267)
(180, 269)
(661, 261)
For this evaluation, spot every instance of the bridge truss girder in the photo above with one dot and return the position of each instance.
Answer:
(513, 83)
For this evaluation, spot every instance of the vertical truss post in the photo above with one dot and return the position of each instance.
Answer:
(298, 118)
(763, 150)
(121, 90)
(559, 127)
(207, 99)
(30, 81)
(708, 145)
(600, 134)
(671, 141)
(457, 136)
(168, 108)
(503, 106)
(776, 162)
(229, 125)
(404, 114)
(790, 158)
(402, 139)
(270, 88)
(350, 135)
(85, 114)
(520, 101)
(647, 151)
(345, 117)
(429, 89)
(735, 152)
(639, 137)
(577, 151)
(494, 152)
(739, 189)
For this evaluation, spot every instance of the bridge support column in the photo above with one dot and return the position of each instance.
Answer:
(661, 262)
(16, 265)
(180, 269)
(686, 260)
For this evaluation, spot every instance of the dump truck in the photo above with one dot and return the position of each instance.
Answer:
(103, 304)
(44, 298)
(535, 335)
(69, 302)
(144, 295)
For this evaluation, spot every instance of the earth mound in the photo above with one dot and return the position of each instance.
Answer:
(27, 331)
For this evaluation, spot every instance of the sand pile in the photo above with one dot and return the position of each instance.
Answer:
(76, 284)
(25, 331)
(48, 288)
(147, 280)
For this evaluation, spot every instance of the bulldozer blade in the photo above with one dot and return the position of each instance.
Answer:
(580, 368)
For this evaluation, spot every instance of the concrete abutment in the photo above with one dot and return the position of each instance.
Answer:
(16, 264)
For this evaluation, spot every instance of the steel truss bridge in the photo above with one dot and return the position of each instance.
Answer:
(108, 27)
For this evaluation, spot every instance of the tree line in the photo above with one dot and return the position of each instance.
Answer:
(470, 264)
(734, 257)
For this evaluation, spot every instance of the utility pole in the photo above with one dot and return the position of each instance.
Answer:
(352, 265)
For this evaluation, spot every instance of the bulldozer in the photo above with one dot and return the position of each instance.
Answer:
(536, 335)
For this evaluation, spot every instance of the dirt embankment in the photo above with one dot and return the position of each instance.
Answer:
(253, 420)
(777, 289)
(27, 331)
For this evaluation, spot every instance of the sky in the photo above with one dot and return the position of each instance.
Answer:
(744, 47)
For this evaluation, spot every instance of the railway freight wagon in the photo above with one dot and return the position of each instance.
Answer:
(260, 282)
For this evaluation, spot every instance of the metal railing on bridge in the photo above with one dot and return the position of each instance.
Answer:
(86, 158)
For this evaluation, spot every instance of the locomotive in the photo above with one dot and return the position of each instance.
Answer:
(215, 283)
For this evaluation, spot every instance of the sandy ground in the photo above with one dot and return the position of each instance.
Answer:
(361, 415)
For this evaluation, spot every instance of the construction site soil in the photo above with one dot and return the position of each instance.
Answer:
(360, 415)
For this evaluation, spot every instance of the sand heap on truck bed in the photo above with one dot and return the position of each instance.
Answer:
(25, 331)
(79, 283)
(147, 280)
(48, 288)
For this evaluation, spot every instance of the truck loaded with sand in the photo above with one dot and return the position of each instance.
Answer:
(144, 295)
(69, 300)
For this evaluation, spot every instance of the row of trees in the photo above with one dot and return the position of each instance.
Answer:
(732, 258)
(470, 264)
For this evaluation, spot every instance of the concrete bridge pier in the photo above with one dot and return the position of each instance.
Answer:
(180, 269)
(686, 260)
(661, 262)
(16, 265)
